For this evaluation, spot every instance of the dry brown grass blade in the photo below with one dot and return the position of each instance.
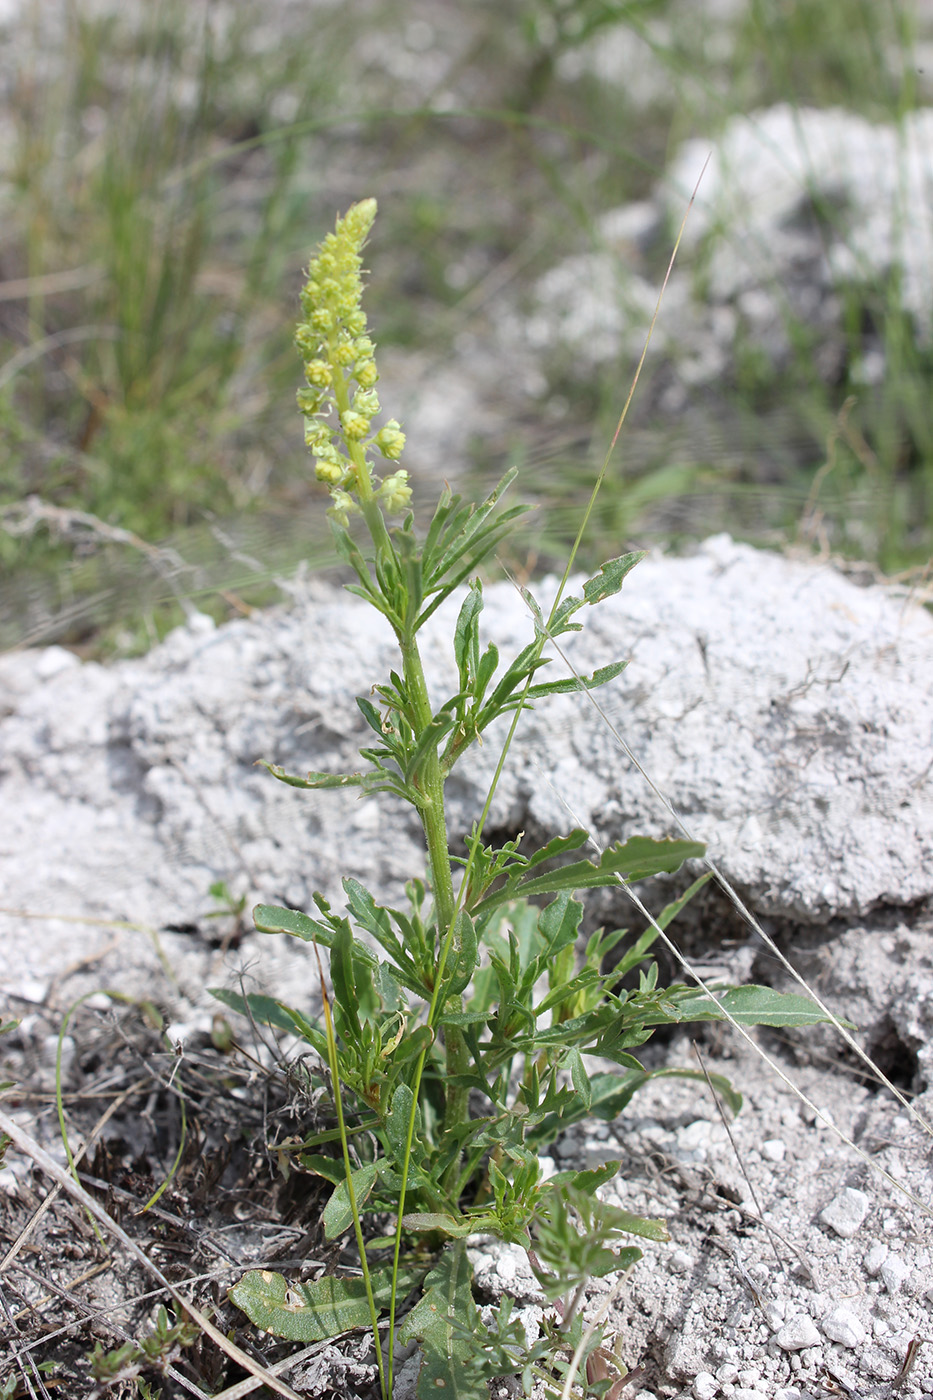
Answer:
(102, 1121)
(28, 1145)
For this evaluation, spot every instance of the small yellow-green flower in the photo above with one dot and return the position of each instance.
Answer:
(343, 506)
(394, 494)
(390, 440)
(341, 374)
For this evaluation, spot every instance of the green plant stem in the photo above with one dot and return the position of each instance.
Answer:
(434, 821)
(430, 779)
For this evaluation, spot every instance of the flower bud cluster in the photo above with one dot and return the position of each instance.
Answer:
(340, 401)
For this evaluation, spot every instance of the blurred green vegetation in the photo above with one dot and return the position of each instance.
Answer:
(168, 168)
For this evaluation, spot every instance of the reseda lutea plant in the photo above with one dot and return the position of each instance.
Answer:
(455, 1042)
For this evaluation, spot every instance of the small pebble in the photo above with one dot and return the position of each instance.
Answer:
(894, 1272)
(773, 1149)
(727, 1373)
(788, 1392)
(705, 1386)
(800, 1332)
(53, 660)
(845, 1212)
(774, 1314)
(842, 1326)
(749, 1378)
(34, 990)
(875, 1258)
(681, 1263)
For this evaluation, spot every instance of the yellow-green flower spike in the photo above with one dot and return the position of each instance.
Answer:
(340, 370)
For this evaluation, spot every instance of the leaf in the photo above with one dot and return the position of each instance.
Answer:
(439, 1220)
(464, 943)
(447, 1295)
(637, 859)
(558, 846)
(559, 923)
(598, 678)
(312, 779)
(579, 1077)
(372, 916)
(371, 715)
(752, 1006)
(460, 539)
(397, 1121)
(466, 633)
(337, 1215)
(612, 1093)
(261, 1009)
(342, 975)
(440, 724)
(310, 1312)
(269, 918)
(611, 576)
(594, 1177)
(485, 671)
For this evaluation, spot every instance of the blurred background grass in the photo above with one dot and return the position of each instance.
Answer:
(166, 169)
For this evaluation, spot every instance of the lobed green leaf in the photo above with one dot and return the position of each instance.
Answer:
(611, 576)
(311, 1312)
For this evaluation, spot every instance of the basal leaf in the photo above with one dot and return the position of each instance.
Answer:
(261, 1009)
(447, 1295)
(398, 1119)
(446, 1224)
(337, 1215)
(311, 1312)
